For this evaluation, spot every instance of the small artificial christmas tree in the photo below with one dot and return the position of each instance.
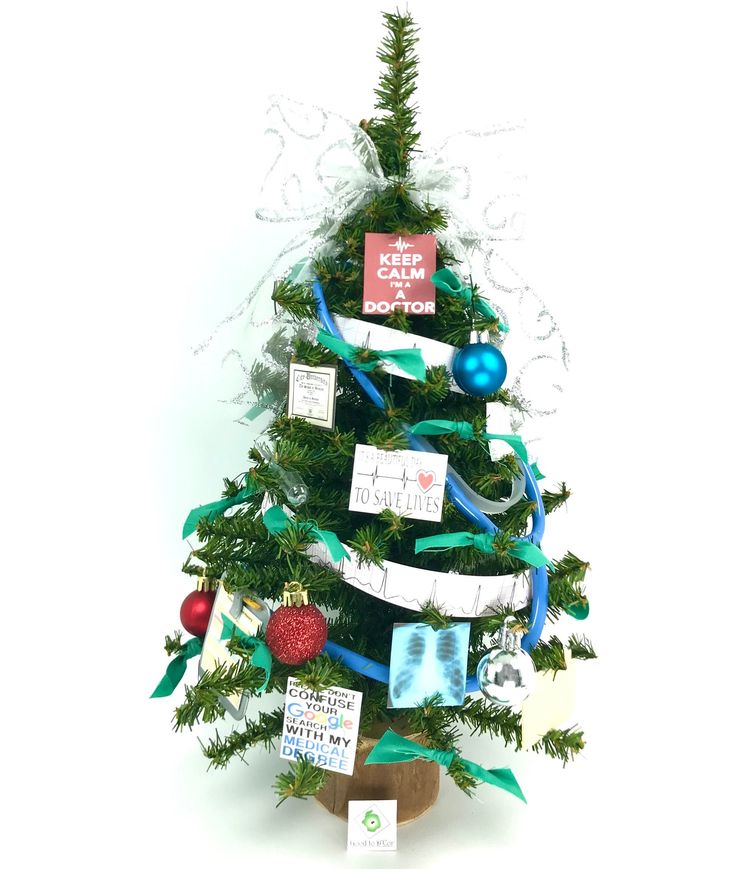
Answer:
(286, 519)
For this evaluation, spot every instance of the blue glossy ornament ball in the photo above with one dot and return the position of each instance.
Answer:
(479, 369)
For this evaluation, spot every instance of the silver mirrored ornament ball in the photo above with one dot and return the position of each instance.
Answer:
(506, 674)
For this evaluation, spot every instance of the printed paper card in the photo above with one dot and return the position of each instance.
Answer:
(409, 482)
(312, 393)
(372, 825)
(551, 704)
(397, 273)
(230, 612)
(425, 662)
(322, 727)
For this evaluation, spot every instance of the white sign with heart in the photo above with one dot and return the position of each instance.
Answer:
(409, 482)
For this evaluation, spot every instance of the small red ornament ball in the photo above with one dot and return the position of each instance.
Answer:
(296, 634)
(195, 612)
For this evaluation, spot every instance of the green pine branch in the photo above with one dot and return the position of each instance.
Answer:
(370, 543)
(554, 500)
(581, 647)
(322, 673)
(173, 645)
(395, 133)
(202, 701)
(303, 780)
(296, 299)
(549, 655)
(265, 730)
(561, 744)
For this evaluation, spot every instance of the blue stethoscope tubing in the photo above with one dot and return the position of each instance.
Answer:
(540, 581)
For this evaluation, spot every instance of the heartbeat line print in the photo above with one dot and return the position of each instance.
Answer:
(405, 478)
(401, 245)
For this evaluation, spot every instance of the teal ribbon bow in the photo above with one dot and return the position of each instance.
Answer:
(177, 668)
(522, 549)
(465, 431)
(448, 282)
(409, 360)
(260, 653)
(276, 522)
(392, 748)
(217, 508)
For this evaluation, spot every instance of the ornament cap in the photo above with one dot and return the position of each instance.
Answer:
(206, 583)
(295, 594)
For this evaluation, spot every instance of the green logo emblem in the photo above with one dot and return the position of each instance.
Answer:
(371, 821)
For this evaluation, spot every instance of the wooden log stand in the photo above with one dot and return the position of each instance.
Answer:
(414, 785)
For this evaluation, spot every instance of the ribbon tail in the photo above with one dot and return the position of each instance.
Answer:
(336, 345)
(275, 520)
(501, 778)
(409, 360)
(262, 659)
(579, 610)
(177, 668)
(217, 508)
(530, 553)
(538, 475)
(514, 441)
(332, 542)
(206, 511)
(447, 281)
(261, 406)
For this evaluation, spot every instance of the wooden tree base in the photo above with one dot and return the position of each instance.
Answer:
(414, 785)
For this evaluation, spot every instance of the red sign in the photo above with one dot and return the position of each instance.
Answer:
(397, 272)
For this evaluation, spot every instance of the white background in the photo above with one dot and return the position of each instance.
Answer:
(128, 232)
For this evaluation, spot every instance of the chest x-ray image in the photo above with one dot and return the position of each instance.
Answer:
(425, 662)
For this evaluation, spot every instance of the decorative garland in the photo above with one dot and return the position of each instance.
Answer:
(457, 494)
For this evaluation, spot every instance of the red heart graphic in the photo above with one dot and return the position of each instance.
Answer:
(425, 480)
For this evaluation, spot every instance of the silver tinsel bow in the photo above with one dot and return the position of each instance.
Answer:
(324, 168)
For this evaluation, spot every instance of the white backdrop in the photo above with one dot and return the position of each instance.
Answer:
(128, 190)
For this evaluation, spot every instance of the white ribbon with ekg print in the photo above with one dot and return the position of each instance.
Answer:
(457, 594)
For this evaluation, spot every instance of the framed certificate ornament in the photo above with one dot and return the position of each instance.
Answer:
(312, 394)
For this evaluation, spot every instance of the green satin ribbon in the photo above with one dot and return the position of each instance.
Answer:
(177, 668)
(261, 406)
(579, 610)
(392, 748)
(462, 429)
(448, 282)
(465, 431)
(276, 522)
(217, 508)
(261, 654)
(297, 268)
(522, 549)
(409, 360)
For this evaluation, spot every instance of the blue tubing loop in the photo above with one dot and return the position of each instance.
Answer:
(457, 497)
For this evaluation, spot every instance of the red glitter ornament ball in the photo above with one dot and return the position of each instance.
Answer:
(195, 612)
(296, 634)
